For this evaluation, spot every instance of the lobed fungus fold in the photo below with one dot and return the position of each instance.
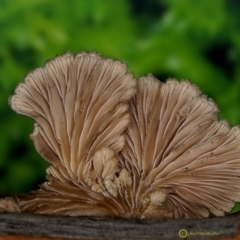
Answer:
(121, 147)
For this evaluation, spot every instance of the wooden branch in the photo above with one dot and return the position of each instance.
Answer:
(19, 226)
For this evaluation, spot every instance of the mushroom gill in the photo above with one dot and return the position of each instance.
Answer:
(126, 148)
(9, 204)
(81, 111)
(180, 156)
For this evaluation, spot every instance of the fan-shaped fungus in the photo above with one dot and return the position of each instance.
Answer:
(161, 153)
(178, 153)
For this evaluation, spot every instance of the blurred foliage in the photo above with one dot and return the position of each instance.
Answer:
(197, 40)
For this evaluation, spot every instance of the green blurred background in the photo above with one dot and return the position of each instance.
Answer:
(197, 40)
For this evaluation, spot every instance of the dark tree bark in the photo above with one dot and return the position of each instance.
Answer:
(15, 226)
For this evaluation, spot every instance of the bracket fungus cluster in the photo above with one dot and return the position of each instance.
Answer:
(122, 147)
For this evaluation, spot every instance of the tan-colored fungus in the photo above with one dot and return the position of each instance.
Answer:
(179, 154)
(159, 153)
(9, 204)
(80, 108)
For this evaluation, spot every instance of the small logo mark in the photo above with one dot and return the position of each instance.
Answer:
(182, 233)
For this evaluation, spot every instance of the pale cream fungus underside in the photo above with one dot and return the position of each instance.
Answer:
(121, 147)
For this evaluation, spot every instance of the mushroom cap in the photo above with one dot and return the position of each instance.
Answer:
(81, 111)
(159, 153)
(176, 145)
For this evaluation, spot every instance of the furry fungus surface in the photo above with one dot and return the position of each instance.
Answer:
(121, 147)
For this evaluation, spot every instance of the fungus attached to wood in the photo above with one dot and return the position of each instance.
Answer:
(178, 153)
(126, 148)
(9, 204)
